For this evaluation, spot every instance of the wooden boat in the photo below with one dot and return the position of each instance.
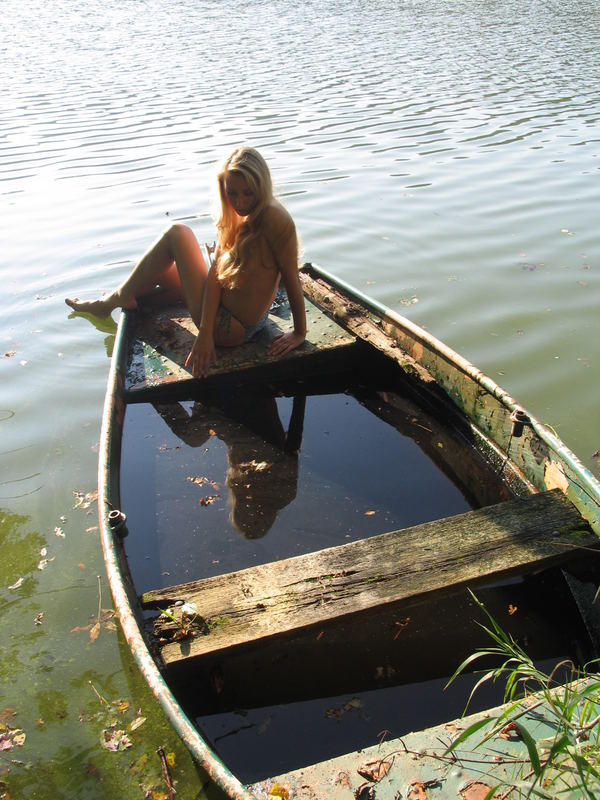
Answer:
(316, 621)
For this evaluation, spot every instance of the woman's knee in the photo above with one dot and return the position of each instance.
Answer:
(178, 234)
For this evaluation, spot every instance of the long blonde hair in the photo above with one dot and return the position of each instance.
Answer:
(235, 235)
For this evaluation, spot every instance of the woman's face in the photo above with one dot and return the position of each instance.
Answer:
(241, 196)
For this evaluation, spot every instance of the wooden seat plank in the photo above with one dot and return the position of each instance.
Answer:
(254, 604)
(161, 342)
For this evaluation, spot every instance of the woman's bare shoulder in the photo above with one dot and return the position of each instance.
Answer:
(277, 222)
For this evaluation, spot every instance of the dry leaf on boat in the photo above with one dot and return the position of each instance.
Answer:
(279, 791)
(375, 770)
(510, 731)
(476, 790)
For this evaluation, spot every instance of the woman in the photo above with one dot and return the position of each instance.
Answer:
(256, 247)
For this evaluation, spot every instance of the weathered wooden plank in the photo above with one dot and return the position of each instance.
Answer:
(273, 599)
(161, 342)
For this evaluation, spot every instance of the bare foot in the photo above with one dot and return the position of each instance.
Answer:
(99, 308)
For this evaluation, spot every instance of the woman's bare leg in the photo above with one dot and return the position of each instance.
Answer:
(175, 262)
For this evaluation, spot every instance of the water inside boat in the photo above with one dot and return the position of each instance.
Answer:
(242, 476)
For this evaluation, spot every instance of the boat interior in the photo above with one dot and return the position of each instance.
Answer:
(329, 520)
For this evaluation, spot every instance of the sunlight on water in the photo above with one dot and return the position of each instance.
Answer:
(442, 156)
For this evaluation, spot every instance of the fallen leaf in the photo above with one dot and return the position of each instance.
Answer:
(94, 632)
(452, 727)
(81, 629)
(476, 790)
(512, 609)
(364, 792)
(170, 759)
(416, 791)
(208, 500)
(354, 703)
(374, 770)
(256, 466)
(510, 731)
(116, 740)
(59, 532)
(369, 513)
(16, 584)
(121, 705)
(84, 500)
(19, 738)
(137, 723)
(10, 353)
(38, 619)
(7, 714)
(554, 476)
(279, 791)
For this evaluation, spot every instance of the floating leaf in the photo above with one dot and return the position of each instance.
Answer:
(16, 584)
(137, 723)
(170, 759)
(116, 740)
(11, 737)
(7, 714)
(84, 500)
(209, 499)
(370, 513)
(59, 532)
(256, 466)
(81, 629)
(94, 632)
(38, 619)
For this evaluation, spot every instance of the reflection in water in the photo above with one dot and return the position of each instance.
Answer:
(262, 475)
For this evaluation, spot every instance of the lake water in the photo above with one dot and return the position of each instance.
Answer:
(444, 157)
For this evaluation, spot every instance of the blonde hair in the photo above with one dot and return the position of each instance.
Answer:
(235, 235)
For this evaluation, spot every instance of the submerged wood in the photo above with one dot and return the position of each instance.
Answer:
(273, 599)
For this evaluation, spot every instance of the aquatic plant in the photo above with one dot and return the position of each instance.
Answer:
(565, 764)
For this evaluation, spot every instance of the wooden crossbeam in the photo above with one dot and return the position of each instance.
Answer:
(262, 602)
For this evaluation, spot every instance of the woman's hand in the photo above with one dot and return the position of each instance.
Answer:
(285, 343)
(202, 355)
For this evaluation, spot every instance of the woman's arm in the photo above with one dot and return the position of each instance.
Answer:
(202, 354)
(285, 250)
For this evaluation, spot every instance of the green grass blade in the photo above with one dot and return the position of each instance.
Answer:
(534, 756)
(466, 734)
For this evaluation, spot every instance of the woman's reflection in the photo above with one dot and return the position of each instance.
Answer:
(262, 476)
